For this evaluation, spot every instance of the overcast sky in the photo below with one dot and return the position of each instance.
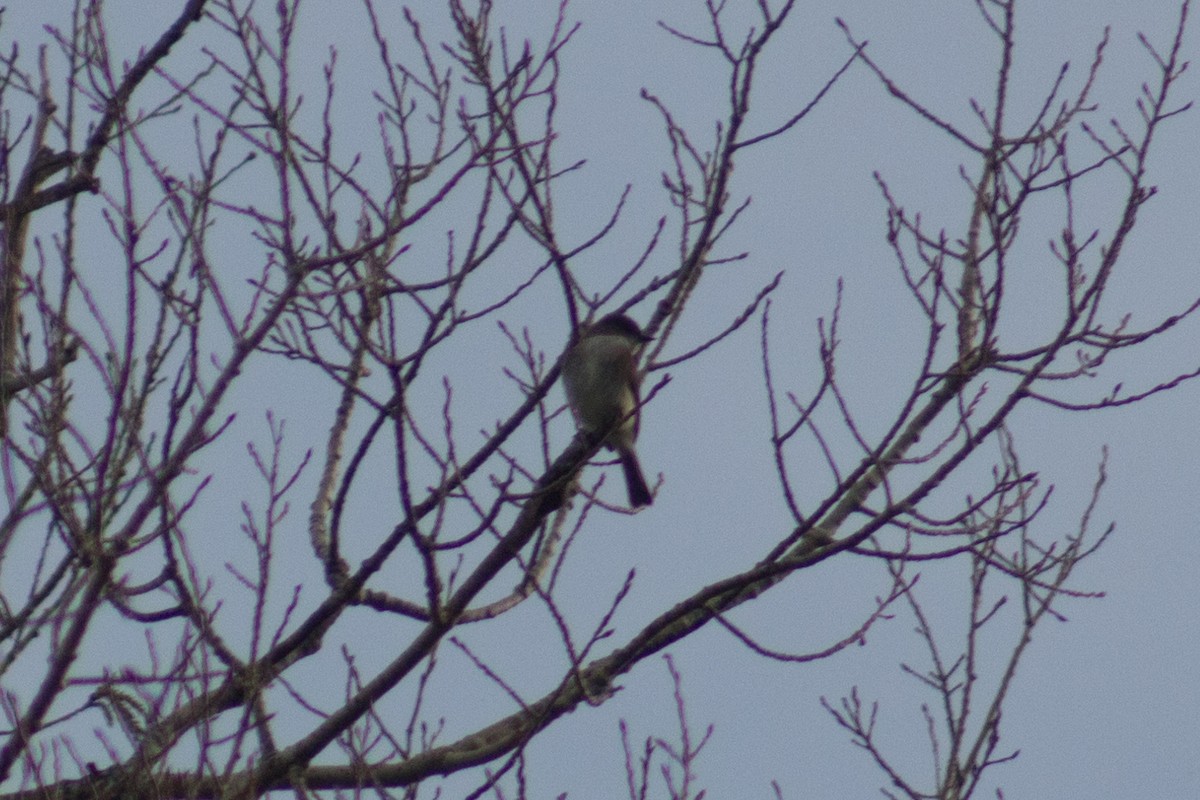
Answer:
(1106, 704)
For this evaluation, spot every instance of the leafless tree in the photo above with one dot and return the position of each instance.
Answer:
(191, 230)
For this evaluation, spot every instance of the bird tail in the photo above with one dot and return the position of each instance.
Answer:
(635, 482)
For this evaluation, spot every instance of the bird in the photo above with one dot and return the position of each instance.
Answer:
(601, 378)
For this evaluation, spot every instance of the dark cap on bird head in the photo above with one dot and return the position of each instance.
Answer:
(618, 325)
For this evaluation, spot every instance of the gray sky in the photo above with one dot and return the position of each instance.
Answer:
(1105, 705)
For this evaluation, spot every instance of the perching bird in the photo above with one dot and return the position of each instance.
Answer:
(601, 378)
